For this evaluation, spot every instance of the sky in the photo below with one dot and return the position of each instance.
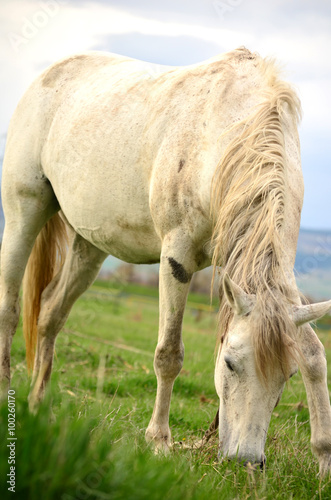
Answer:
(297, 33)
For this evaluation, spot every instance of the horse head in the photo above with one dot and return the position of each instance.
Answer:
(247, 399)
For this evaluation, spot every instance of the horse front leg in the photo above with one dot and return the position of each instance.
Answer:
(175, 277)
(314, 374)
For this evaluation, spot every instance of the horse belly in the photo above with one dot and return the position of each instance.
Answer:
(134, 244)
(105, 197)
(114, 224)
(110, 208)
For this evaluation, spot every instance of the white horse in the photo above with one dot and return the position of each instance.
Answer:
(185, 167)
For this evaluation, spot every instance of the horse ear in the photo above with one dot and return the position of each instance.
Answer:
(241, 302)
(310, 312)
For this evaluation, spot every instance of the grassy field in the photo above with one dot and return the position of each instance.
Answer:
(87, 442)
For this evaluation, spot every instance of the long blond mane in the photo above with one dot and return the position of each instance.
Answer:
(248, 206)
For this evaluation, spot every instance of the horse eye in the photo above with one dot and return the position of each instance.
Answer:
(228, 364)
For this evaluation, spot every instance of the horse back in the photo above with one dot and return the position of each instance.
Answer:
(130, 151)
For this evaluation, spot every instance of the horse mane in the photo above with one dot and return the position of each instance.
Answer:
(248, 205)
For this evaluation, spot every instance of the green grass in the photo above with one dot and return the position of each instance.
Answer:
(87, 441)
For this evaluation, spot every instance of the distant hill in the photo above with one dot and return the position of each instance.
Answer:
(313, 263)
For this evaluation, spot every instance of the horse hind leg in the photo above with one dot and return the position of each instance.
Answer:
(80, 268)
(14, 255)
(24, 216)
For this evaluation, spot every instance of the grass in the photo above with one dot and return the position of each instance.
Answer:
(87, 441)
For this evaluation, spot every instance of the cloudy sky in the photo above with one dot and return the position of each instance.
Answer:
(179, 32)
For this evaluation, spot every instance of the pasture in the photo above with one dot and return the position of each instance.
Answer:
(87, 442)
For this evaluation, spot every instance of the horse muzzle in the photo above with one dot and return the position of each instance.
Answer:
(246, 463)
(257, 465)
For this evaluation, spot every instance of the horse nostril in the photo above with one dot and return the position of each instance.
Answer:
(256, 465)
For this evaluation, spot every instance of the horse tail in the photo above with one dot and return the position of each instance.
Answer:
(46, 258)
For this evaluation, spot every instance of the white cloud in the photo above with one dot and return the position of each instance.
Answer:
(38, 36)
(315, 96)
(78, 28)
